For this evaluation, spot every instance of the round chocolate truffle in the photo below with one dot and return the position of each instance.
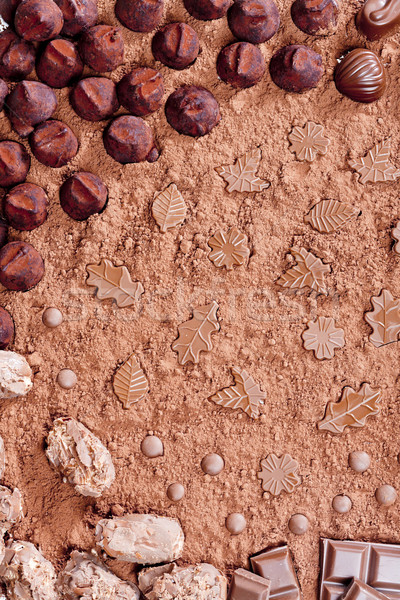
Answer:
(359, 461)
(54, 144)
(142, 16)
(67, 379)
(152, 446)
(17, 57)
(207, 10)
(130, 140)
(296, 68)
(78, 15)
(241, 64)
(7, 10)
(3, 232)
(38, 20)
(52, 317)
(83, 195)
(341, 504)
(361, 76)
(3, 93)
(95, 98)
(102, 48)
(29, 104)
(175, 492)
(212, 464)
(25, 206)
(14, 163)
(386, 495)
(176, 45)
(315, 18)
(59, 64)
(141, 91)
(21, 266)
(254, 21)
(235, 523)
(298, 524)
(6, 328)
(192, 111)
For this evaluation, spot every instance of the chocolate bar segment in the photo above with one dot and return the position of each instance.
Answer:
(361, 591)
(277, 565)
(377, 565)
(249, 586)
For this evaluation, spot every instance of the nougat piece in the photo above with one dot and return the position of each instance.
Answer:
(16, 377)
(88, 578)
(141, 539)
(26, 574)
(80, 457)
(195, 582)
(148, 577)
(11, 509)
(2, 457)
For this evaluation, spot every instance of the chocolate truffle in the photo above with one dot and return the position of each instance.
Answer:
(95, 98)
(29, 104)
(359, 461)
(315, 17)
(14, 163)
(175, 492)
(130, 140)
(7, 9)
(17, 57)
(341, 504)
(78, 15)
(152, 446)
(235, 523)
(141, 91)
(254, 21)
(3, 232)
(38, 20)
(67, 379)
(176, 45)
(59, 64)
(296, 68)
(241, 64)
(25, 206)
(3, 93)
(360, 76)
(386, 495)
(140, 15)
(6, 328)
(102, 48)
(54, 144)
(83, 195)
(192, 111)
(207, 10)
(298, 524)
(212, 464)
(52, 317)
(21, 266)
(376, 19)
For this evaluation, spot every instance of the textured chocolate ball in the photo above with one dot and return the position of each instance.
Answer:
(130, 140)
(359, 461)
(315, 17)
(341, 504)
(176, 45)
(7, 10)
(361, 76)
(207, 10)
(212, 464)
(296, 68)
(3, 93)
(38, 20)
(54, 144)
(241, 64)
(67, 379)
(29, 104)
(175, 492)
(83, 195)
(386, 495)
(235, 523)
(192, 111)
(254, 21)
(78, 15)
(141, 91)
(25, 206)
(3, 232)
(14, 163)
(21, 266)
(95, 98)
(6, 328)
(59, 64)
(102, 48)
(52, 317)
(298, 524)
(152, 446)
(17, 57)
(142, 16)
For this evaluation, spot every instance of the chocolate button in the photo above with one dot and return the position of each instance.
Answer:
(21, 266)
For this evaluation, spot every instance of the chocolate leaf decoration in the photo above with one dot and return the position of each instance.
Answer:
(195, 334)
(352, 409)
(245, 394)
(130, 383)
(228, 249)
(241, 177)
(308, 141)
(375, 166)
(384, 319)
(169, 208)
(113, 282)
(396, 237)
(329, 215)
(309, 272)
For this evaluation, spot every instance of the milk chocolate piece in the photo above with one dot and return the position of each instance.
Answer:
(248, 586)
(277, 565)
(378, 18)
(361, 591)
(148, 577)
(10, 507)
(195, 582)
(378, 565)
(361, 76)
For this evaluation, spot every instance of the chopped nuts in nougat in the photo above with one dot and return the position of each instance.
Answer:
(15, 375)
(80, 457)
(195, 582)
(141, 539)
(11, 508)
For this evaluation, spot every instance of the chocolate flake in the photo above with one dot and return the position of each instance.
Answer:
(130, 383)
(361, 591)
(375, 166)
(396, 237)
(308, 141)
(169, 208)
(279, 473)
(323, 337)
(114, 282)
(195, 334)
(228, 249)
(330, 215)
(309, 272)
(384, 319)
(352, 409)
(241, 177)
(245, 394)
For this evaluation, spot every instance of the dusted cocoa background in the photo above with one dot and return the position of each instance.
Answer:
(261, 324)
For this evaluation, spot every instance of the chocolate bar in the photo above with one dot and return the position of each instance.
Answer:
(249, 586)
(277, 565)
(361, 591)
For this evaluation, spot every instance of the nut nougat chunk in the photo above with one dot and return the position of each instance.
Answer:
(15, 375)
(195, 582)
(10, 507)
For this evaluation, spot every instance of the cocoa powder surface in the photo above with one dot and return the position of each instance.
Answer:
(261, 324)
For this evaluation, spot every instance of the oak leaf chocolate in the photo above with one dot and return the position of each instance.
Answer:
(242, 176)
(361, 76)
(113, 283)
(195, 334)
(352, 410)
(376, 19)
(384, 319)
(192, 110)
(141, 539)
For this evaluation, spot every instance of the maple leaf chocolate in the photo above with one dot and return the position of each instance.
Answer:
(315, 17)
(86, 577)
(361, 76)
(114, 283)
(130, 383)
(378, 18)
(10, 507)
(323, 337)
(242, 176)
(80, 457)
(376, 166)
(296, 68)
(384, 319)
(308, 141)
(276, 565)
(15, 375)
(169, 208)
(279, 473)
(195, 334)
(192, 110)
(194, 582)
(246, 394)
(141, 539)
(352, 409)
(229, 249)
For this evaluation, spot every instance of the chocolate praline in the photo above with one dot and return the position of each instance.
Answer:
(17, 57)
(315, 17)
(254, 21)
(95, 98)
(378, 18)
(296, 68)
(59, 64)
(142, 16)
(241, 64)
(192, 111)
(29, 104)
(176, 45)
(78, 15)
(361, 76)
(129, 139)
(207, 10)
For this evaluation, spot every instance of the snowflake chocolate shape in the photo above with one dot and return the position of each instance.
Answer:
(228, 249)
(323, 337)
(308, 141)
(279, 473)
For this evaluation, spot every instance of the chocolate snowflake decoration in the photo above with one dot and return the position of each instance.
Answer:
(228, 249)
(323, 337)
(279, 473)
(308, 141)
